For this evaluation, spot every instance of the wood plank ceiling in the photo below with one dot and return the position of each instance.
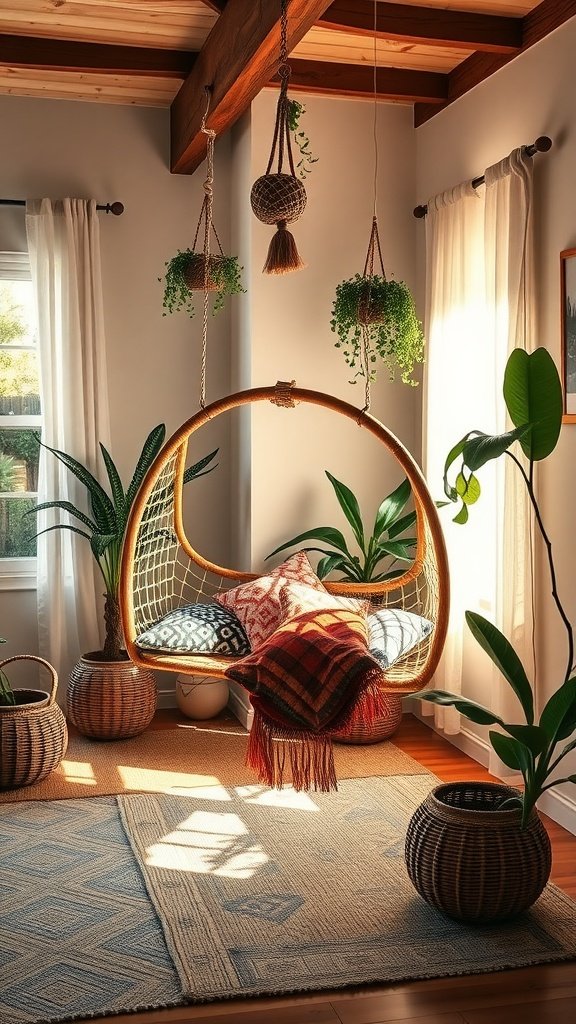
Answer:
(428, 52)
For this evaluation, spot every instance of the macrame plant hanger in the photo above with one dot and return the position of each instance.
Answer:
(206, 213)
(279, 197)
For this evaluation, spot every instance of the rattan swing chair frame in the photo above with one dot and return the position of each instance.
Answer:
(162, 571)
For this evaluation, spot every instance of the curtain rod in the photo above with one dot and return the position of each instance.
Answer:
(542, 145)
(115, 208)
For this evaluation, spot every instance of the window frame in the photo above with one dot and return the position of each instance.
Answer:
(18, 573)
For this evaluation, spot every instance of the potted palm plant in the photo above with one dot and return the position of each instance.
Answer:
(33, 734)
(109, 697)
(498, 825)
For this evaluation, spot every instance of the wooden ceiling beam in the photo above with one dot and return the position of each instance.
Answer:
(549, 15)
(430, 26)
(215, 5)
(401, 84)
(238, 59)
(69, 55)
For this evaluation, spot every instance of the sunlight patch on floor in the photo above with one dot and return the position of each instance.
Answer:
(153, 780)
(209, 843)
(79, 772)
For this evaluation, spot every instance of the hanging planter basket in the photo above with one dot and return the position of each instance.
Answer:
(195, 274)
(375, 318)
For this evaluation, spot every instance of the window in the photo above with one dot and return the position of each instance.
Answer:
(20, 422)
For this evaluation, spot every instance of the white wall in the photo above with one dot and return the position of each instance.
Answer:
(290, 317)
(532, 96)
(59, 148)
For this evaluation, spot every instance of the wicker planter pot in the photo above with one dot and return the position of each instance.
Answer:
(33, 733)
(370, 307)
(471, 861)
(381, 729)
(110, 700)
(194, 273)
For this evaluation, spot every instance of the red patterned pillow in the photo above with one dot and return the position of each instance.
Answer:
(297, 598)
(257, 603)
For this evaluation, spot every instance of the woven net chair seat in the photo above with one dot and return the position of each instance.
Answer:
(161, 571)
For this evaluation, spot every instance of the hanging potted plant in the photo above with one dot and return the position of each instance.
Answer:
(189, 271)
(479, 851)
(33, 733)
(375, 318)
(108, 696)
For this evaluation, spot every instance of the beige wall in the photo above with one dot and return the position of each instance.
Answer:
(290, 318)
(532, 96)
(61, 148)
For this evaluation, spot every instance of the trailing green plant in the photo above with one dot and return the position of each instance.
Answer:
(295, 112)
(104, 526)
(7, 698)
(382, 313)
(225, 274)
(533, 397)
(387, 542)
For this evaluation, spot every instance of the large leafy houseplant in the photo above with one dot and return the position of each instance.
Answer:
(535, 749)
(386, 544)
(185, 273)
(104, 526)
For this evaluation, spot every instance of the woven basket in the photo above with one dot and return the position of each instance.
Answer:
(472, 861)
(110, 700)
(370, 307)
(278, 197)
(194, 273)
(33, 733)
(381, 729)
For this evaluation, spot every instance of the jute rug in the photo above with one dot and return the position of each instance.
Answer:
(185, 756)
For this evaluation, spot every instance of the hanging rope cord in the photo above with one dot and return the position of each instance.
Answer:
(281, 138)
(206, 212)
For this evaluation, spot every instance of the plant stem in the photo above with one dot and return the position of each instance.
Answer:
(546, 539)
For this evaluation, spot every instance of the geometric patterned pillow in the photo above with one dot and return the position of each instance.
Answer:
(296, 598)
(392, 633)
(257, 603)
(197, 628)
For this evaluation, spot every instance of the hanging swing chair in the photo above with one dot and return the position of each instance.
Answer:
(161, 570)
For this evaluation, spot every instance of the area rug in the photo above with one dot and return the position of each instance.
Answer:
(267, 892)
(78, 934)
(184, 756)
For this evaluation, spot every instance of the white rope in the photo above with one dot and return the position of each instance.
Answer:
(209, 202)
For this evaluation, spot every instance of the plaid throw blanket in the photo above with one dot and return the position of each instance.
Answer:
(308, 682)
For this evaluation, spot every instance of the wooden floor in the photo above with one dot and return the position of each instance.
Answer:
(532, 995)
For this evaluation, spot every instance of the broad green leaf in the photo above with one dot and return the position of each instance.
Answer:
(511, 752)
(349, 505)
(327, 565)
(65, 526)
(462, 516)
(390, 509)
(533, 395)
(557, 718)
(198, 468)
(102, 507)
(397, 549)
(405, 523)
(65, 506)
(116, 486)
(468, 489)
(394, 574)
(486, 447)
(505, 658)
(150, 449)
(469, 708)
(325, 534)
(101, 542)
(532, 736)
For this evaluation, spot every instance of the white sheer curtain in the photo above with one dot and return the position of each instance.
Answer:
(480, 307)
(64, 247)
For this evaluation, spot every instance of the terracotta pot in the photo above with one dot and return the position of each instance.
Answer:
(472, 861)
(110, 700)
(33, 733)
(201, 698)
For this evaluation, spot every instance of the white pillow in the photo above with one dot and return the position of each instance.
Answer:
(392, 633)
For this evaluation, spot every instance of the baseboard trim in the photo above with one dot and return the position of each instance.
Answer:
(556, 805)
(236, 702)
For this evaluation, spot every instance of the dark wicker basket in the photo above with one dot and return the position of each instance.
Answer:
(472, 861)
(370, 306)
(110, 700)
(33, 733)
(384, 727)
(278, 197)
(194, 273)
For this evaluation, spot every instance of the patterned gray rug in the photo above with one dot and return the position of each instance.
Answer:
(148, 901)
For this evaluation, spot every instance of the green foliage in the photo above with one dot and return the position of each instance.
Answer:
(387, 542)
(533, 397)
(295, 112)
(104, 526)
(6, 472)
(17, 534)
(224, 272)
(24, 446)
(6, 692)
(12, 325)
(385, 311)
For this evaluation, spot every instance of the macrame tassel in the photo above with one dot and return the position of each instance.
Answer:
(283, 256)
(309, 756)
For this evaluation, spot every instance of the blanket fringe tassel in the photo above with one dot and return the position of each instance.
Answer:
(272, 748)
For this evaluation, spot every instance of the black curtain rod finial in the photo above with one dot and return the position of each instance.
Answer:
(115, 208)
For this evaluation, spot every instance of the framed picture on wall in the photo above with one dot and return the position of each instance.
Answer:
(568, 318)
